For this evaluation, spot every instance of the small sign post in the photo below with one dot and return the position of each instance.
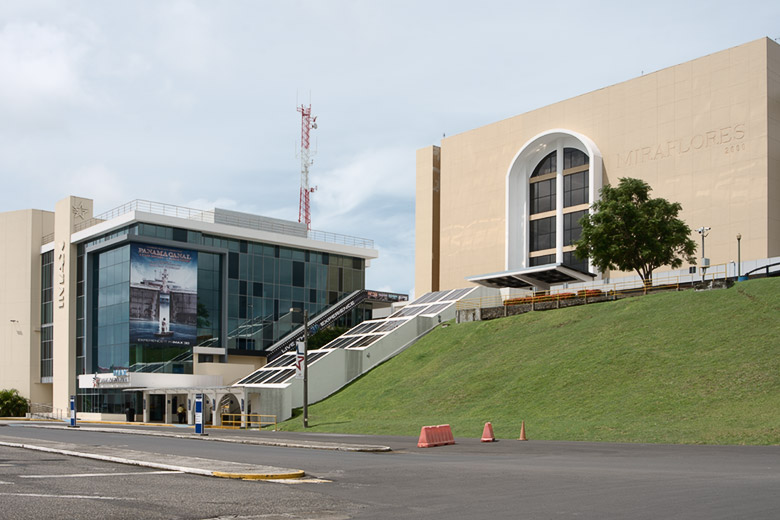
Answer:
(72, 423)
(300, 359)
(199, 414)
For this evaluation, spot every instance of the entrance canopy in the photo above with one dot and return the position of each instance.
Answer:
(540, 276)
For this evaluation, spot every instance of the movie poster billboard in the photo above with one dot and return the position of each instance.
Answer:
(163, 295)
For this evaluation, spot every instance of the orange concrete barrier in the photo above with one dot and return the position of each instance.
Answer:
(431, 436)
(446, 433)
(487, 433)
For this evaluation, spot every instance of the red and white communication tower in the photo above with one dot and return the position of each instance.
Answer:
(307, 123)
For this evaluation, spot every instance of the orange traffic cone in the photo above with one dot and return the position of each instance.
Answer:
(522, 432)
(487, 433)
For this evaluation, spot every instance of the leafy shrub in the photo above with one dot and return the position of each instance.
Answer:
(12, 404)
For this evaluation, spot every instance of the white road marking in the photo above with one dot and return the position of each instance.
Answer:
(77, 475)
(84, 497)
(1, 482)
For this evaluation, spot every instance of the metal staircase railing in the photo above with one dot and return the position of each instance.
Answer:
(316, 323)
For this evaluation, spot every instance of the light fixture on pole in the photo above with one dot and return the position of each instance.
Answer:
(739, 255)
(304, 352)
(705, 262)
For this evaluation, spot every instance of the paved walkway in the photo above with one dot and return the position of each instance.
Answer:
(194, 465)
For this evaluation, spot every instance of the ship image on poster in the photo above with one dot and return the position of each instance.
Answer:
(163, 295)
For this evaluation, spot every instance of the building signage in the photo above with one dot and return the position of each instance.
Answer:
(300, 359)
(730, 138)
(61, 275)
(117, 379)
(163, 295)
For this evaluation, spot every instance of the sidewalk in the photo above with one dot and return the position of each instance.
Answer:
(337, 442)
(193, 465)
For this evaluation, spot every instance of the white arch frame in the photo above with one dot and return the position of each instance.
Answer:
(517, 192)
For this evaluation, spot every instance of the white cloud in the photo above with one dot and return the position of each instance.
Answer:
(39, 66)
(106, 187)
(383, 174)
(188, 40)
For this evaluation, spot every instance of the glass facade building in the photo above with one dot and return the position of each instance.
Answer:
(198, 297)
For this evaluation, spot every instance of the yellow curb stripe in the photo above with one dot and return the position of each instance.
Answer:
(259, 476)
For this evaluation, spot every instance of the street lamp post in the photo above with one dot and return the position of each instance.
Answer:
(704, 260)
(305, 364)
(305, 368)
(739, 255)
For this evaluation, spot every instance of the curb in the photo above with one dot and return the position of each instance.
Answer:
(258, 442)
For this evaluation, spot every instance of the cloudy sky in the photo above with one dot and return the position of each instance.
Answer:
(194, 102)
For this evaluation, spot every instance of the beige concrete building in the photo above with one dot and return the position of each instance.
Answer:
(500, 202)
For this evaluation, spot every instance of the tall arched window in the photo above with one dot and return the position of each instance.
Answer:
(551, 183)
(545, 211)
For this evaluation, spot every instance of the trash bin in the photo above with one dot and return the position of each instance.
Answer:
(130, 414)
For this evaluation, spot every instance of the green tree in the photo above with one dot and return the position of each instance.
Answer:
(12, 404)
(630, 231)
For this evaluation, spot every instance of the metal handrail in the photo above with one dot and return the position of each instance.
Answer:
(47, 411)
(209, 216)
(661, 281)
(236, 420)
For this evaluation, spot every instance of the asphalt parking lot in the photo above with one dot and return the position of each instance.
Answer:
(506, 479)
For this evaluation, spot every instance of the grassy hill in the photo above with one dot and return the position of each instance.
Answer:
(687, 367)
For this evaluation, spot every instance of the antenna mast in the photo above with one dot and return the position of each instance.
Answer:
(307, 123)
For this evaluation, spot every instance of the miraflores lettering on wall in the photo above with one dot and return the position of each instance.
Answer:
(61, 275)
(729, 137)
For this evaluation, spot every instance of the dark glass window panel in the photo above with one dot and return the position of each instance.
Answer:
(242, 287)
(575, 189)
(547, 165)
(571, 260)
(573, 158)
(542, 234)
(542, 195)
(243, 247)
(312, 295)
(341, 279)
(257, 289)
(233, 265)
(542, 260)
(242, 307)
(179, 235)
(572, 230)
(298, 274)
(325, 258)
(357, 263)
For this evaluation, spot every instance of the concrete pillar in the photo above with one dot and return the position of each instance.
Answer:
(427, 223)
(145, 405)
(67, 214)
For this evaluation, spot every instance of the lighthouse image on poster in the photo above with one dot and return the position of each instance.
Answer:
(163, 295)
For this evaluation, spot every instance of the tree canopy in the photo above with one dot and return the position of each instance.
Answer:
(630, 231)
